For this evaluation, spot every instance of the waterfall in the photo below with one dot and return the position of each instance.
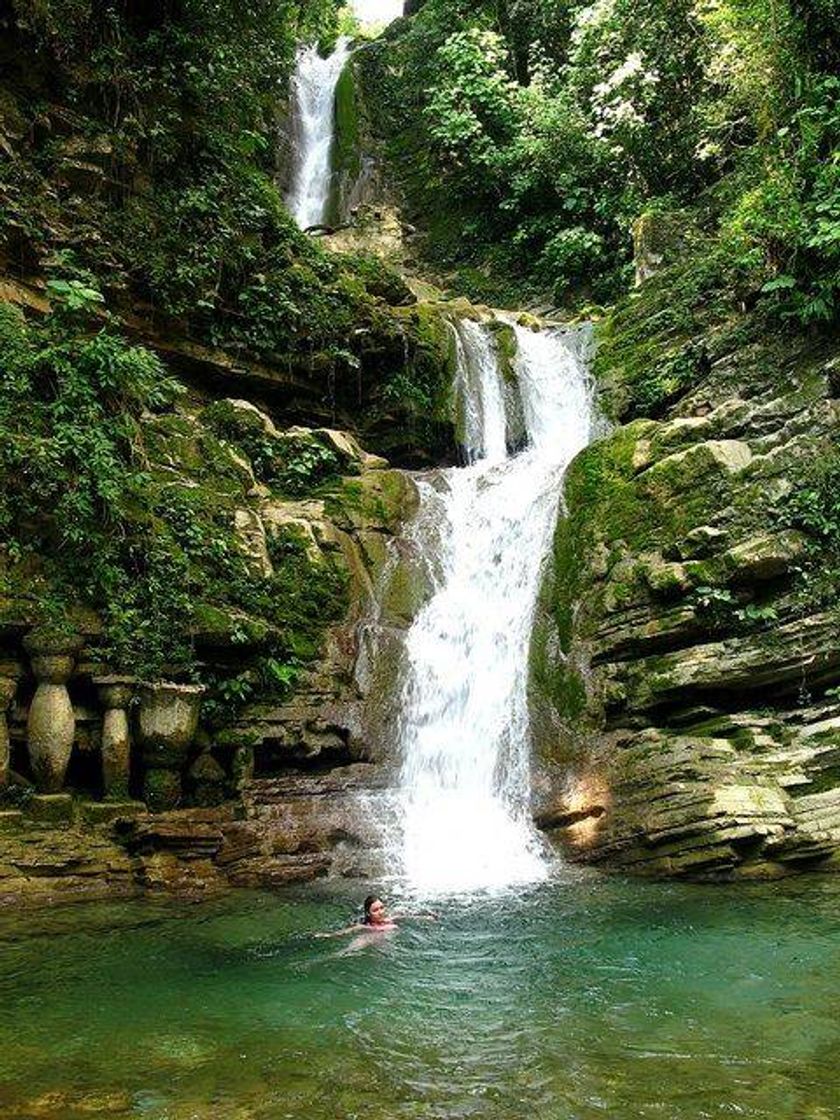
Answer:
(478, 393)
(313, 112)
(463, 723)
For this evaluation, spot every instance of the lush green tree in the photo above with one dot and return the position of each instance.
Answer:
(528, 135)
(178, 104)
(474, 110)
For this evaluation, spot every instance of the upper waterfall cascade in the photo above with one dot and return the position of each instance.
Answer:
(464, 799)
(313, 113)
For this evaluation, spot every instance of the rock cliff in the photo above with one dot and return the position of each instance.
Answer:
(687, 653)
(265, 790)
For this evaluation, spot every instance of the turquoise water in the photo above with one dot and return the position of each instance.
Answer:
(587, 997)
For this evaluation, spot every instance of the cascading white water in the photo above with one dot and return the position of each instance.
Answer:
(465, 822)
(313, 112)
(478, 392)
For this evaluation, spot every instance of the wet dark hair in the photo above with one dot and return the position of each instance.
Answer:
(369, 901)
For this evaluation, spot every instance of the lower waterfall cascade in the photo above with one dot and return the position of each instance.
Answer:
(463, 715)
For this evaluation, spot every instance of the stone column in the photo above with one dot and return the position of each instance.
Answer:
(167, 721)
(8, 687)
(52, 724)
(115, 695)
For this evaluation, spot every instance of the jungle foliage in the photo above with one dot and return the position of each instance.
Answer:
(94, 517)
(143, 156)
(138, 180)
(529, 134)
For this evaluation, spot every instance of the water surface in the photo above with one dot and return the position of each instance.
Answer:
(586, 997)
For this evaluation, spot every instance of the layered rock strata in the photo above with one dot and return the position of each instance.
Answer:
(280, 830)
(687, 653)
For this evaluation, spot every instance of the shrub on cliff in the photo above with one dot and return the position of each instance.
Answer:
(145, 156)
(74, 509)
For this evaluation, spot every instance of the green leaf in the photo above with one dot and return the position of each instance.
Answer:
(779, 283)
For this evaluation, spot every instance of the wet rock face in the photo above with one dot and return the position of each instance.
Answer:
(687, 650)
(286, 829)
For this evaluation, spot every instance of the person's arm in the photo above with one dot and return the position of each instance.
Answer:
(341, 932)
(417, 915)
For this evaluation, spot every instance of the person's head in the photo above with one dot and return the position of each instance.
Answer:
(374, 910)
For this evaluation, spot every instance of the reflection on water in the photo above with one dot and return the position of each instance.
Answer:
(584, 998)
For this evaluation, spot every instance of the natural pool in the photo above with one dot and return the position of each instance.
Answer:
(585, 997)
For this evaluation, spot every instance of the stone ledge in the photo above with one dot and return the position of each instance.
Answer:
(803, 647)
(11, 821)
(50, 808)
(106, 812)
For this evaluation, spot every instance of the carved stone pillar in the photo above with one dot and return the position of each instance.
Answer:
(8, 687)
(52, 724)
(167, 721)
(115, 695)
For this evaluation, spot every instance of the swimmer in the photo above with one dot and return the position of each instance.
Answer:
(376, 919)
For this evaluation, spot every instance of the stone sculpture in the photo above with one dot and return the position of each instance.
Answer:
(51, 724)
(115, 694)
(8, 687)
(167, 721)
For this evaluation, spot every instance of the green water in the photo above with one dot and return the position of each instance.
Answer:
(588, 997)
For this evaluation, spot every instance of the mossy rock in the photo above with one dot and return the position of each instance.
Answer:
(659, 239)
(206, 783)
(346, 154)
(216, 627)
(50, 808)
(426, 383)
(557, 692)
(406, 592)
(377, 499)
(175, 441)
(379, 279)
(162, 790)
(504, 337)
